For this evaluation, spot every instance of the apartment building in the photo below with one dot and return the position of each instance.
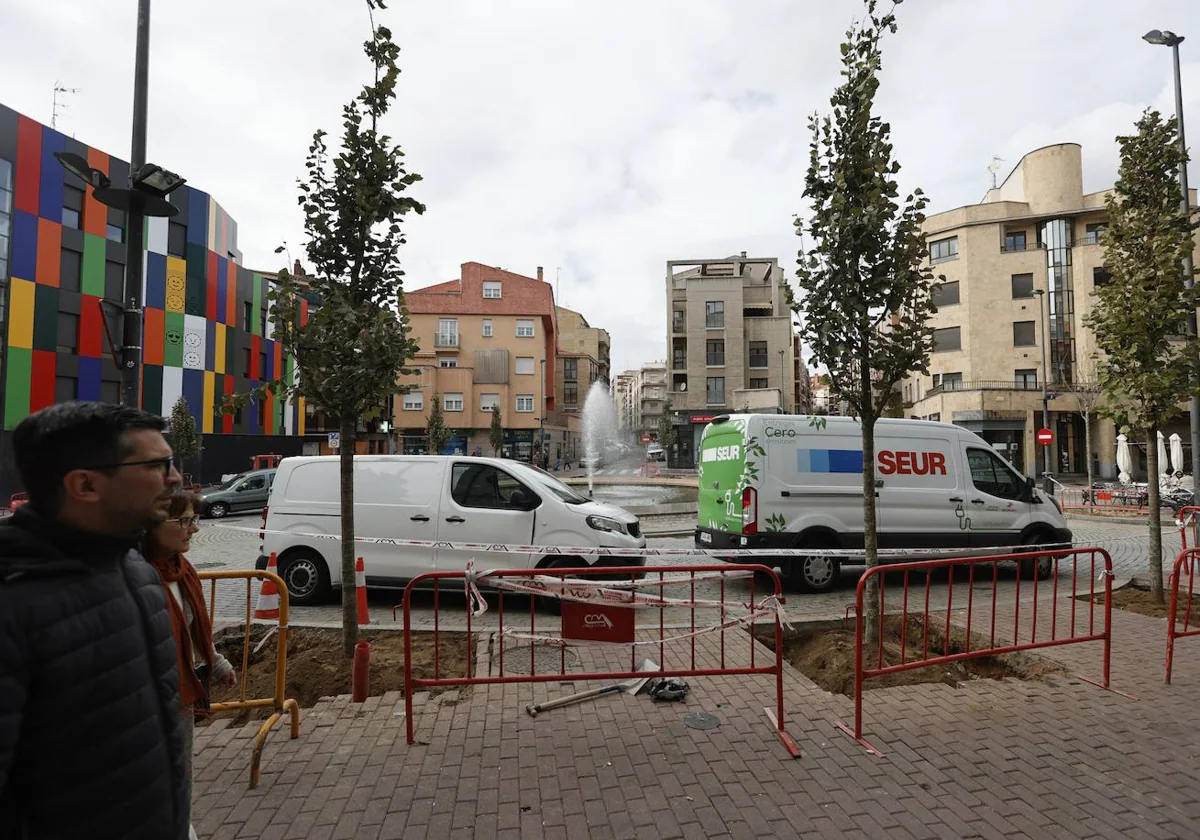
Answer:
(487, 339)
(622, 394)
(582, 359)
(1020, 269)
(649, 399)
(731, 343)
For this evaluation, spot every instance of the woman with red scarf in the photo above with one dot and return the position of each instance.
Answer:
(198, 661)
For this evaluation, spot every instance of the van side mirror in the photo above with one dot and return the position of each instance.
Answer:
(1030, 489)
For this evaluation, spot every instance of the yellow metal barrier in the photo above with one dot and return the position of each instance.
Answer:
(277, 701)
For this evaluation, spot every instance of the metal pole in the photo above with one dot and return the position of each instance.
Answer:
(131, 320)
(1187, 260)
(1045, 398)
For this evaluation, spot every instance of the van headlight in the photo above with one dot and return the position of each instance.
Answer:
(603, 523)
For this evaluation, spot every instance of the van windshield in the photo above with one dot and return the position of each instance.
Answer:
(534, 475)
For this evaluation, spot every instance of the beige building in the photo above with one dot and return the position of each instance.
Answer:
(623, 398)
(583, 358)
(1019, 266)
(649, 399)
(488, 338)
(730, 341)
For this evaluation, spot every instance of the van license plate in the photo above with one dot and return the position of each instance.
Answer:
(706, 538)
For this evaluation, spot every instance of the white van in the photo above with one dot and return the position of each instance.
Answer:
(788, 481)
(436, 499)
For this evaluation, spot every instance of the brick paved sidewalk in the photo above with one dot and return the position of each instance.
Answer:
(987, 759)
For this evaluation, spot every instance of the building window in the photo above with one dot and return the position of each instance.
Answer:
(447, 334)
(452, 402)
(756, 384)
(714, 314)
(262, 365)
(525, 364)
(491, 288)
(678, 320)
(1023, 334)
(714, 390)
(414, 401)
(70, 270)
(68, 332)
(246, 362)
(72, 213)
(110, 392)
(1014, 240)
(487, 327)
(936, 417)
(946, 339)
(447, 362)
(114, 280)
(1100, 276)
(488, 401)
(570, 370)
(952, 381)
(114, 233)
(524, 328)
(714, 352)
(945, 294)
(943, 249)
(1094, 233)
(1022, 286)
(6, 188)
(1026, 379)
(263, 316)
(66, 388)
(758, 354)
(570, 393)
(176, 239)
(247, 315)
(525, 403)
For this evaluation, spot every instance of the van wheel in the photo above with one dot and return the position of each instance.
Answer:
(1044, 564)
(307, 578)
(818, 573)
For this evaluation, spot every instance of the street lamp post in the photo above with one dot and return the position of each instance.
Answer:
(1166, 38)
(1041, 293)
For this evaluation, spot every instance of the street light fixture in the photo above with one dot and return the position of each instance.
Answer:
(1041, 293)
(1167, 38)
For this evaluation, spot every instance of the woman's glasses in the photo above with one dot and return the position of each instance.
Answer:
(186, 522)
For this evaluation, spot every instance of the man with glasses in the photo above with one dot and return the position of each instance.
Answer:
(90, 735)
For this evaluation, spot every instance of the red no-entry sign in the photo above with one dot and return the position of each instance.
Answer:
(1045, 437)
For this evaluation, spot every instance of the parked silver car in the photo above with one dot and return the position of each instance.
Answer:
(244, 492)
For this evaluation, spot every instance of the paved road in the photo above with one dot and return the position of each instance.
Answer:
(223, 548)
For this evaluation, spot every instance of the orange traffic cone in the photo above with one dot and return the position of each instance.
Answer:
(268, 595)
(360, 586)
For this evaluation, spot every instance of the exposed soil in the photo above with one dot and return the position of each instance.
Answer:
(316, 667)
(826, 656)
(1140, 601)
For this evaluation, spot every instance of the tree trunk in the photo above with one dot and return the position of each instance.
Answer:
(1087, 445)
(349, 602)
(870, 535)
(1155, 560)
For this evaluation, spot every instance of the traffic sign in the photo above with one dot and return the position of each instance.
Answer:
(335, 440)
(1045, 437)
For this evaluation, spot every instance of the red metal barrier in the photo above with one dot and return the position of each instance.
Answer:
(648, 577)
(1064, 629)
(1191, 622)
(1189, 519)
(1116, 501)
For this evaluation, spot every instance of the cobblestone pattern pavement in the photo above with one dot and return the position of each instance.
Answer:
(986, 759)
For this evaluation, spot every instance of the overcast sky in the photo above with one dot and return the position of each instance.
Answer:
(597, 140)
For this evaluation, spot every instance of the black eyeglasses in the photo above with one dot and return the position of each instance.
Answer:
(186, 522)
(165, 464)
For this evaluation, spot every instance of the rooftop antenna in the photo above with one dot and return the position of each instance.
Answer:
(994, 167)
(60, 88)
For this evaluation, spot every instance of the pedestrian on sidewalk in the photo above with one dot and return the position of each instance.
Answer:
(91, 743)
(198, 661)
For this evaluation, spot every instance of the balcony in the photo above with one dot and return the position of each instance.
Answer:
(1018, 246)
(985, 385)
(1092, 237)
(446, 340)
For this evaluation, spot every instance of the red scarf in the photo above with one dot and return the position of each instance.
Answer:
(176, 569)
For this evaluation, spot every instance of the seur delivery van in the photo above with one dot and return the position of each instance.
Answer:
(794, 481)
(432, 498)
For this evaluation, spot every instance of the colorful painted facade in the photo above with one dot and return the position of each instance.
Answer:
(62, 263)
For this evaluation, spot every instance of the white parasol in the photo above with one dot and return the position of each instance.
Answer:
(1163, 466)
(1176, 454)
(1124, 462)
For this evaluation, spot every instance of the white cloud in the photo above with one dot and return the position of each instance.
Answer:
(599, 138)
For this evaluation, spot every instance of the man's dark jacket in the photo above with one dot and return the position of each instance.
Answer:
(91, 744)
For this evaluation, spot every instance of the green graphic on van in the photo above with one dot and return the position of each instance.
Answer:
(724, 470)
